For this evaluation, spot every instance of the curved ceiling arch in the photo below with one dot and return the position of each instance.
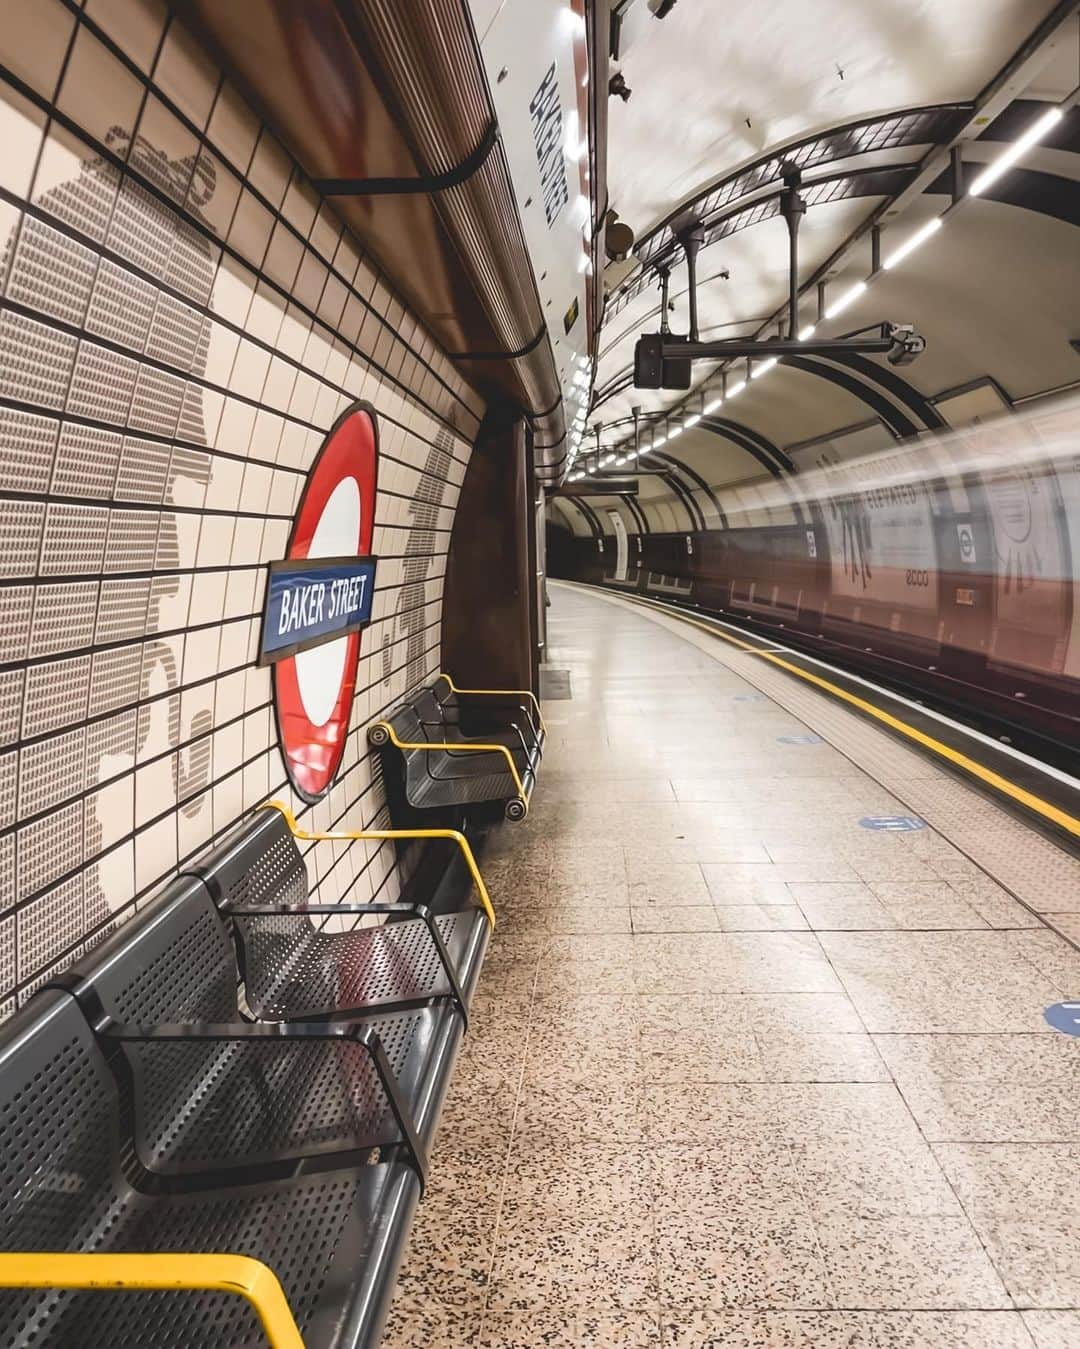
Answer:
(896, 422)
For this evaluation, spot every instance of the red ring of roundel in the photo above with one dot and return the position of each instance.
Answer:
(312, 753)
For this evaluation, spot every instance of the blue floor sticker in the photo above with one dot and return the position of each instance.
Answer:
(897, 824)
(1064, 1016)
(799, 739)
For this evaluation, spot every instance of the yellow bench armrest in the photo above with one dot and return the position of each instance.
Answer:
(469, 748)
(350, 835)
(238, 1274)
(517, 693)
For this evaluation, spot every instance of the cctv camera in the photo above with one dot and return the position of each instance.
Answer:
(907, 344)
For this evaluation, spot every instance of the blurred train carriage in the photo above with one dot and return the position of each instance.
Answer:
(947, 565)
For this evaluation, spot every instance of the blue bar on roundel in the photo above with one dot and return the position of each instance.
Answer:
(315, 601)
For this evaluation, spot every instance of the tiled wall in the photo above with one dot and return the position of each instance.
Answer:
(181, 319)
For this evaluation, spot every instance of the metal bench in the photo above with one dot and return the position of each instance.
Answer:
(432, 767)
(505, 716)
(292, 969)
(267, 1171)
(215, 1095)
(309, 1258)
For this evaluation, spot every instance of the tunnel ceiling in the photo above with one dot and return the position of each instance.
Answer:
(858, 94)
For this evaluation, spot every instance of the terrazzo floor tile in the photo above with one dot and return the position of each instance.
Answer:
(871, 1111)
(734, 962)
(971, 1112)
(793, 1056)
(857, 1177)
(759, 1262)
(909, 981)
(421, 1321)
(569, 1327)
(720, 1015)
(911, 1262)
(1038, 1259)
(682, 918)
(760, 918)
(849, 1330)
(1053, 1329)
(1025, 1058)
(556, 914)
(1024, 1201)
(565, 1111)
(747, 884)
(730, 1180)
(676, 1074)
(700, 1112)
(453, 1234)
(605, 1264)
(677, 884)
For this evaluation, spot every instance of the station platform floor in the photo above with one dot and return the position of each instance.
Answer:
(742, 1070)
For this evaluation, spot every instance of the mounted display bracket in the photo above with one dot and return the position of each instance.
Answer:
(663, 360)
(654, 352)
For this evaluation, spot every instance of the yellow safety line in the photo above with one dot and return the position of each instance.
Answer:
(520, 693)
(239, 1274)
(350, 835)
(1062, 818)
(468, 749)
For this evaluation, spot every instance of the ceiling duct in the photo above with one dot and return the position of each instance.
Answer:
(386, 107)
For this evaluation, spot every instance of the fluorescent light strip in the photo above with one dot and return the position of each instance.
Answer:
(736, 388)
(692, 420)
(711, 407)
(808, 331)
(846, 300)
(763, 368)
(1019, 147)
(910, 245)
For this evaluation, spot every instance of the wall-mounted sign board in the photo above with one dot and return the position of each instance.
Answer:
(314, 601)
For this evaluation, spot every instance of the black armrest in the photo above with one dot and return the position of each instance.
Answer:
(420, 911)
(287, 1032)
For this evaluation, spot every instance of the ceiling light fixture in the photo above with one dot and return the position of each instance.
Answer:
(711, 407)
(808, 331)
(1016, 150)
(846, 300)
(911, 244)
(763, 368)
(736, 388)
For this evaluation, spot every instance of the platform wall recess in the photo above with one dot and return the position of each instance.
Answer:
(181, 320)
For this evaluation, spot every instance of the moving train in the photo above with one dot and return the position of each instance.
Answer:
(946, 566)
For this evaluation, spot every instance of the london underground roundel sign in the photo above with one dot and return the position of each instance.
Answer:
(318, 599)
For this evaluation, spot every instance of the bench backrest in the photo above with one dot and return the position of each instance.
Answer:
(172, 961)
(427, 708)
(58, 1129)
(408, 726)
(257, 862)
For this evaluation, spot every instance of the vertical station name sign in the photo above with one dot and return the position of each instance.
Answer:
(318, 601)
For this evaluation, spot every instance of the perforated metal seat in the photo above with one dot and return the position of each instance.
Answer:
(491, 708)
(519, 737)
(225, 1095)
(67, 1184)
(293, 970)
(454, 775)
